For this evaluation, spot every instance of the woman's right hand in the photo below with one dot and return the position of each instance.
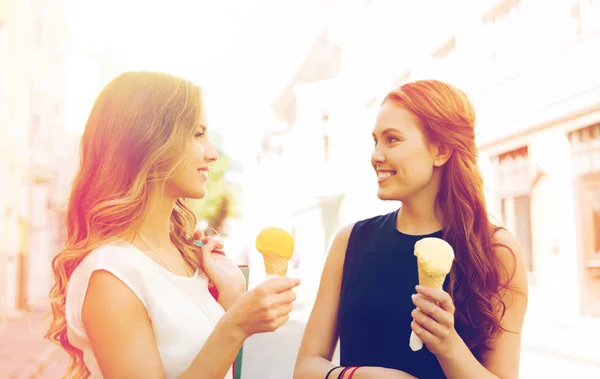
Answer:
(264, 308)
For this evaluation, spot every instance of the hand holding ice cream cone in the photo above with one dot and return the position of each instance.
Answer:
(434, 260)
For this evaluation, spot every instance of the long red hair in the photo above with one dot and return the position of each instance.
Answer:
(448, 119)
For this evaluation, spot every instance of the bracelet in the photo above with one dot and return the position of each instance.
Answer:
(330, 371)
(353, 371)
(341, 375)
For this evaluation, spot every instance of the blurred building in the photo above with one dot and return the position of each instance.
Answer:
(320, 158)
(531, 70)
(32, 99)
(293, 152)
(539, 125)
(53, 63)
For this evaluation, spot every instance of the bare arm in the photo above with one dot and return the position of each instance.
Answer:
(222, 272)
(321, 334)
(119, 330)
(233, 289)
(503, 360)
(123, 341)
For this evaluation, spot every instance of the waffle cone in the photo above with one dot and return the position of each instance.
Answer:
(275, 265)
(432, 281)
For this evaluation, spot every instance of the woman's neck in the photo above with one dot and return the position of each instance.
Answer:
(155, 227)
(420, 216)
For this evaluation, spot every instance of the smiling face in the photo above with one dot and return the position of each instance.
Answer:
(190, 178)
(404, 160)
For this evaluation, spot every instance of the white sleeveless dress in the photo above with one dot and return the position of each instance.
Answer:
(180, 323)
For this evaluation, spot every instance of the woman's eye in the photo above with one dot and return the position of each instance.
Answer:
(392, 139)
(199, 134)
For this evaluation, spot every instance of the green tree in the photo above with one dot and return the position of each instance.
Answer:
(222, 199)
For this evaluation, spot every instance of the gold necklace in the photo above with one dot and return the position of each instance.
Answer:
(200, 304)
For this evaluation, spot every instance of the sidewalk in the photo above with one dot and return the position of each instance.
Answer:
(24, 353)
(574, 338)
(551, 348)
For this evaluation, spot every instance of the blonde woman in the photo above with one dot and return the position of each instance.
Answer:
(131, 298)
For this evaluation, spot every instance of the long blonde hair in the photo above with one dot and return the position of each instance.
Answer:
(134, 139)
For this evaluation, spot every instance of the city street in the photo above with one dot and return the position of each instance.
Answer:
(24, 353)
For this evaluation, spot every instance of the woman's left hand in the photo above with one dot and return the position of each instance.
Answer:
(433, 320)
(221, 271)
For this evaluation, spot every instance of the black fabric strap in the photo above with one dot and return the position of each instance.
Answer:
(330, 371)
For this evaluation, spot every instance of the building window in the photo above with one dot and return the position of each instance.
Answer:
(516, 215)
(590, 233)
(585, 162)
(595, 197)
(512, 173)
(514, 185)
(585, 150)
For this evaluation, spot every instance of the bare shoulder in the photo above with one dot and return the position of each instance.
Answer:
(511, 256)
(340, 243)
(119, 329)
(343, 235)
(505, 239)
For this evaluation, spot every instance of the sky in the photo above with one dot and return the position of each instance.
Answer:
(242, 52)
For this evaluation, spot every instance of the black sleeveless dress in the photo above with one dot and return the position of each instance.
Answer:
(380, 275)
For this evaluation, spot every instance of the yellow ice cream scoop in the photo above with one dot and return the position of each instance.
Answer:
(277, 247)
(434, 256)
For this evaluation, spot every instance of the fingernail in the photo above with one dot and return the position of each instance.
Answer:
(414, 295)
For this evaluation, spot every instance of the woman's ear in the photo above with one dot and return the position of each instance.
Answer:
(441, 154)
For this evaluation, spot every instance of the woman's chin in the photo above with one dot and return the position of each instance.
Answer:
(384, 195)
(197, 194)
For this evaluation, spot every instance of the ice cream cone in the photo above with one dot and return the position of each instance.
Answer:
(434, 261)
(275, 265)
(277, 247)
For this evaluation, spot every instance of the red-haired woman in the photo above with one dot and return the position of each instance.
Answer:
(425, 156)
